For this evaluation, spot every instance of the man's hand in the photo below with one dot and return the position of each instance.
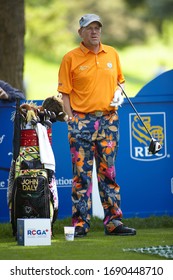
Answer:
(3, 94)
(118, 98)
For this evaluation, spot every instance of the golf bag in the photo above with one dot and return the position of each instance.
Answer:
(32, 191)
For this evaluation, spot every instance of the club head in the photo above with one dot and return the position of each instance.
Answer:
(155, 146)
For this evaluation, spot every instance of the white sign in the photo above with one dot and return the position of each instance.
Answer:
(33, 232)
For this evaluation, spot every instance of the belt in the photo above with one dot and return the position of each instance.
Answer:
(102, 113)
(98, 113)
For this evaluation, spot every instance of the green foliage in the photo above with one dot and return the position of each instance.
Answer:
(52, 25)
(120, 27)
(157, 12)
(134, 3)
(38, 3)
(47, 30)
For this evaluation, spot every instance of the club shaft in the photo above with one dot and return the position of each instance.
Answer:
(135, 110)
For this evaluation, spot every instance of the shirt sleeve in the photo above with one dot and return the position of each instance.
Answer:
(12, 93)
(121, 78)
(65, 76)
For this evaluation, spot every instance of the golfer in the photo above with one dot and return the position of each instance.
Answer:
(88, 79)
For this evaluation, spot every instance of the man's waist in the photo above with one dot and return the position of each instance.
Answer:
(97, 113)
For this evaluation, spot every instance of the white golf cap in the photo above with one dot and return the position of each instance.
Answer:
(89, 18)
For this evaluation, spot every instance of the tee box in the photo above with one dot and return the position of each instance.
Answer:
(33, 232)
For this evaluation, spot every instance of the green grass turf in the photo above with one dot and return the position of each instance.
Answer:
(95, 246)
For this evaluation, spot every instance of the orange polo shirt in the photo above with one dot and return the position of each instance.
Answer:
(90, 79)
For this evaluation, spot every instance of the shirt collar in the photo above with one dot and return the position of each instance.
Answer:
(85, 50)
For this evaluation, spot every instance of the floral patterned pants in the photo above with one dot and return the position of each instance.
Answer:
(94, 137)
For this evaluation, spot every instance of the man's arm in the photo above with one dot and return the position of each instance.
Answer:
(67, 106)
(8, 93)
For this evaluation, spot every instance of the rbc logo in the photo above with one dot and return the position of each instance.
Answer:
(139, 138)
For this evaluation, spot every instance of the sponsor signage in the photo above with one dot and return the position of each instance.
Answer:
(33, 232)
(140, 140)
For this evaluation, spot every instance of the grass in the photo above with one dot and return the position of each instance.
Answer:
(152, 231)
(139, 64)
(40, 78)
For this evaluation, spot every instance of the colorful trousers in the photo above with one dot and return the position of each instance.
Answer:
(94, 137)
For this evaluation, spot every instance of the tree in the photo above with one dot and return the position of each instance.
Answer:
(157, 12)
(12, 30)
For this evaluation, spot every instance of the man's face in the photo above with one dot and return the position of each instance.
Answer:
(91, 34)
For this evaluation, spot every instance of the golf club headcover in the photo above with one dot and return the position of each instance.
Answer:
(118, 98)
(54, 104)
(155, 146)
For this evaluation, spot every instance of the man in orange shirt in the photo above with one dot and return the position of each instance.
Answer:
(88, 79)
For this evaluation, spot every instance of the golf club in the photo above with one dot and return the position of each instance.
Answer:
(154, 146)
